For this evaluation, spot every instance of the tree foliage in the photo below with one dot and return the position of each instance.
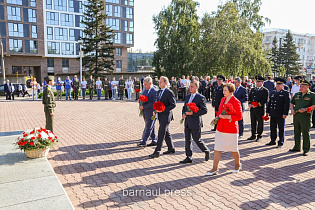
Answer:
(97, 40)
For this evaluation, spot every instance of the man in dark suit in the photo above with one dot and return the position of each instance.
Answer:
(269, 85)
(241, 94)
(278, 109)
(259, 94)
(167, 97)
(147, 108)
(7, 90)
(217, 95)
(193, 122)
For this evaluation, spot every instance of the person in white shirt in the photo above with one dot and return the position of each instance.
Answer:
(20, 90)
(183, 83)
(38, 88)
(296, 86)
(114, 85)
(12, 91)
(83, 87)
(98, 84)
(129, 85)
(188, 81)
(34, 88)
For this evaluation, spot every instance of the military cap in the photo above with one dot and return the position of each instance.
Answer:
(298, 78)
(305, 82)
(49, 78)
(280, 80)
(221, 77)
(259, 78)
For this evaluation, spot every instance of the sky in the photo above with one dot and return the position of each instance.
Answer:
(286, 14)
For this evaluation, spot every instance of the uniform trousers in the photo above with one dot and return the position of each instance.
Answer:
(49, 120)
(302, 124)
(274, 123)
(257, 122)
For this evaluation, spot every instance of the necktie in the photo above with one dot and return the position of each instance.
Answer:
(191, 98)
(161, 93)
(236, 90)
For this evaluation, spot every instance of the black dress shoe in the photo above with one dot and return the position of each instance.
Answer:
(240, 136)
(258, 138)
(207, 157)
(294, 150)
(305, 154)
(271, 143)
(154, 155)
(187, 160)
(279, 145)
(141, 145)
(252, 138)
(169, 152)
(213, 129)
(152, 144)
(313, 126)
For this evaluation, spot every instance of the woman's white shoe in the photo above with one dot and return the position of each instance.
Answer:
(212, 173)
(238, 170)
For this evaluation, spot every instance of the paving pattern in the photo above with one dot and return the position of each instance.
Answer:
(100, 166)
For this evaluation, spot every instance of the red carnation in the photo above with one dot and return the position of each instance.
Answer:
(56, 137)
(22, 139)
(39, 136)
(25, 135)
(143, 98)
(158, 107)
(309, 109)
(33, 138)
(192, 107)
(32, 132)
(53, 141)
(265, 118)
(229, 109)
(31, 143)
(49, 138)
(137, 90)
(255, 103)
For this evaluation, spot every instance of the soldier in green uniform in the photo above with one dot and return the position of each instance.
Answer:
(106, 87)
(49, 103)
(137, 86)
(90, 85)
(301, 119)
(156, 83)
(75, 87)
(174, 87)
(121, 86)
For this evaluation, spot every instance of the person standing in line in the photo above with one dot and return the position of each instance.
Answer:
(137, 86)
(67, 84)
(49, 103)
(114, 85)
(90, 84)
(83, 87)
(217, 95)
(121, 85)
(34, 88)
(296, 87)
(106, 85)
(174, 87)
(58, 89)
(183, 83)
(129, 85)
(98, 84)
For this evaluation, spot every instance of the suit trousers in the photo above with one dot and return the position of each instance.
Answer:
(164, 133)
(274, 123)
(256, 118)
(241, 127)
(183, 90)
(8, 96)
(149, 131)
(196, 136)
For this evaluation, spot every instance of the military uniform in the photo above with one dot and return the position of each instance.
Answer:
(156, 84)
(312, 89)
(106, 88)
(217, 95)
(76, 86)
(121, 86)
(261, 96)
(137, 86)
(302, 121)
(90, 85)
(49, 105)
(279, 104)
(174, 88)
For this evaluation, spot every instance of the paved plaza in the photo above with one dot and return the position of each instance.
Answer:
(100, 166)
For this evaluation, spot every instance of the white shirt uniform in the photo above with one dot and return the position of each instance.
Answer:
(295, 89)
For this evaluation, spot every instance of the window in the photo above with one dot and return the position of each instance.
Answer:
(67, 48)
(33, 3)
(52, 18)
(50, 33)
(131, 3)
(32, 15)
(53, 47)
(118, 64)
(60, 5)
(125, 2)
(117, 11)
(117, 38)
(129, 39)
(50, 62)
(109, 10)
(113, 23)
(71, 35)
(48, 4)
(15, 45)
(66, 20)
(61, 34)
(18, 2)
(129, 13)
(14, 13)
(118, 51)
(113, 1)
(131, 27)
(82, 25)
(125, 22)
(33, 46)
(65, 62)
(80, 6)
(16, 29)
(34, 32)
(71, 6)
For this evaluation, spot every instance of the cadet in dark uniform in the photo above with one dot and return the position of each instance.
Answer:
(258, 94)
(106, 87)
(174, 87)
(217, 95)
(156, 83)
(278, 109)
(312, 89)
(49, 103)
(121, 86)
(90, 84)
(301, 119)
(137, 86)
(75, 87)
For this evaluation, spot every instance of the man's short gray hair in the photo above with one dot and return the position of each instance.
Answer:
(237, 79)
(148, 80)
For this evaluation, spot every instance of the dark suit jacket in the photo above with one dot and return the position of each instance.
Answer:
(168, 99)
(195, 121)
(270, 86)
(7, 89)
(242, 95)
(148, 106)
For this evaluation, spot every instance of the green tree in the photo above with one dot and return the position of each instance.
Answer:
(97, 39)
(289, 57)
(177, 28)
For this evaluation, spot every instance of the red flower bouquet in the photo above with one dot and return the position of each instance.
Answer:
(158, 107)
(191, 107)
(255, 103)
(309, 109)
(265, 118)
(228, 110)
(142, 99)
(138, 90)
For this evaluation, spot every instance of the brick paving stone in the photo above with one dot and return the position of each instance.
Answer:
(97, 162)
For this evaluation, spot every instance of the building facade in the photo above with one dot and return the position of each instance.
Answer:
(305, 44)
(140, 63)
(40, 37)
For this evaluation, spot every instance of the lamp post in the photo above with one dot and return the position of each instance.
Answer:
(80, 53)
(2, 61)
